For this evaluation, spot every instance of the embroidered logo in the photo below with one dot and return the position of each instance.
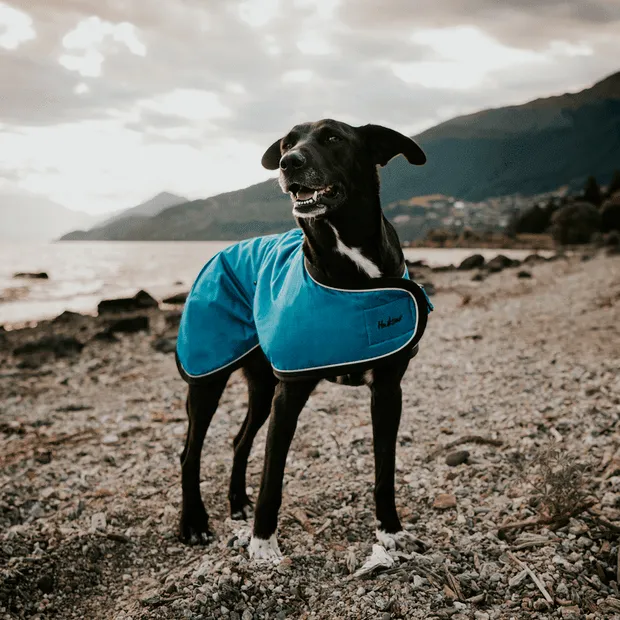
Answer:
(391, 321)
(394, 319)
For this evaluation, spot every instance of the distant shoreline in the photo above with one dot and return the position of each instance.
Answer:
(112, 273)
(490, 241)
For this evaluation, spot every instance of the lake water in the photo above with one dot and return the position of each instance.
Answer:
(83, 273)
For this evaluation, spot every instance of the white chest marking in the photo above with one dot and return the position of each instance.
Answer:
(355, 254)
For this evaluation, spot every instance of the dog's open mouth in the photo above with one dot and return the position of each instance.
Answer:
(308, 200)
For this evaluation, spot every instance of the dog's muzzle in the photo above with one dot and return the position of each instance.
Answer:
(315, 201)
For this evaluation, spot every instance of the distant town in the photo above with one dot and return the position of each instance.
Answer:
(563, 215)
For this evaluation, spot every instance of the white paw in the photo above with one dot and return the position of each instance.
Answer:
(261, 550)
(399, 540)
(379, 558)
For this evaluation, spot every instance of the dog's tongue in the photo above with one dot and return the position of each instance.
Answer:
(305, 194)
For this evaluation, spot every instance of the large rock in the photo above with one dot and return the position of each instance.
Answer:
(61, 346)
(68, 317)
(500, 262)
(40, 275)
(475, 261)
(140, 301)
(177, 299)
(129, 326)
(575, 223)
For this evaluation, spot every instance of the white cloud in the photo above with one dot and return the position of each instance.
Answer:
(258, 13)
(325, 9)
(88, 65)
(467, 57)
(15, 27)
(313, 42)
(90, 38)
(81, 89)
(193, 105)
(564, 48)
(297, 76)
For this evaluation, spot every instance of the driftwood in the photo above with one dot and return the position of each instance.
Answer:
(552, 522)
(479, 439)
(539, 584)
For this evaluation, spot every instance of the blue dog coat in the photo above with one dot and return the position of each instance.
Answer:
(259, 292)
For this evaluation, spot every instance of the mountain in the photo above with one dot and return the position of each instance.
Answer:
(29, 217)
(529, 149)
(148, 208)
(259, 209)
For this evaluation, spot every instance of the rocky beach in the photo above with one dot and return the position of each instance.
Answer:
(508, 466)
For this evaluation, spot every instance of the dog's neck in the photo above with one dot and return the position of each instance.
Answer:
(352, 245)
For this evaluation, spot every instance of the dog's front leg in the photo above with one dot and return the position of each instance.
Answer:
(288, 402)
(386, 407)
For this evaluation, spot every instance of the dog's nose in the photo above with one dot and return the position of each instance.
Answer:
(292, 160)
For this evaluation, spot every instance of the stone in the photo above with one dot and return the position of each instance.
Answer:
(457, 458)
(46, 584)
(140, 301)
(165, 345)
(533, 258)
(69, 317)
(41, 275)
(475, 261)
(524, 275)
(129, 326)
(443, 501)
(499, 263)
(60, 346)
(98, 521)
(176, 300)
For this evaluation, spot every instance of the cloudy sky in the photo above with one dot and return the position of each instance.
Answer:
(105, 103)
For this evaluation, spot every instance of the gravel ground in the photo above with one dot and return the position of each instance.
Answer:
(511, 368)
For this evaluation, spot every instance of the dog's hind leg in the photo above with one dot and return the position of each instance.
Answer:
(201, 404)
(290, 398)
(261, 387)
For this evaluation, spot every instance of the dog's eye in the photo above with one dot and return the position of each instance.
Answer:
(286, 146)
(333, 139)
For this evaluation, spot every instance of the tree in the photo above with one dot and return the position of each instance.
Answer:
(533, 220)
(610, 215)
(614, 185)
(575, 223)
(592, 192)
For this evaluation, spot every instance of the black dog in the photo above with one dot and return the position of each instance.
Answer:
(330, 170)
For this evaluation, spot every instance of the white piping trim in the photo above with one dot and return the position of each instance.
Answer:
(206, 374)
(370, 359)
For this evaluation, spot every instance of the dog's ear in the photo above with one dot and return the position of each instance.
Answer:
(384, 143)
(271, 158)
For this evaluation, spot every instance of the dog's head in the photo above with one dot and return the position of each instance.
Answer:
(325, 163)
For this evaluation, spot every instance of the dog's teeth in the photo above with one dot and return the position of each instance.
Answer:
(316, 195)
